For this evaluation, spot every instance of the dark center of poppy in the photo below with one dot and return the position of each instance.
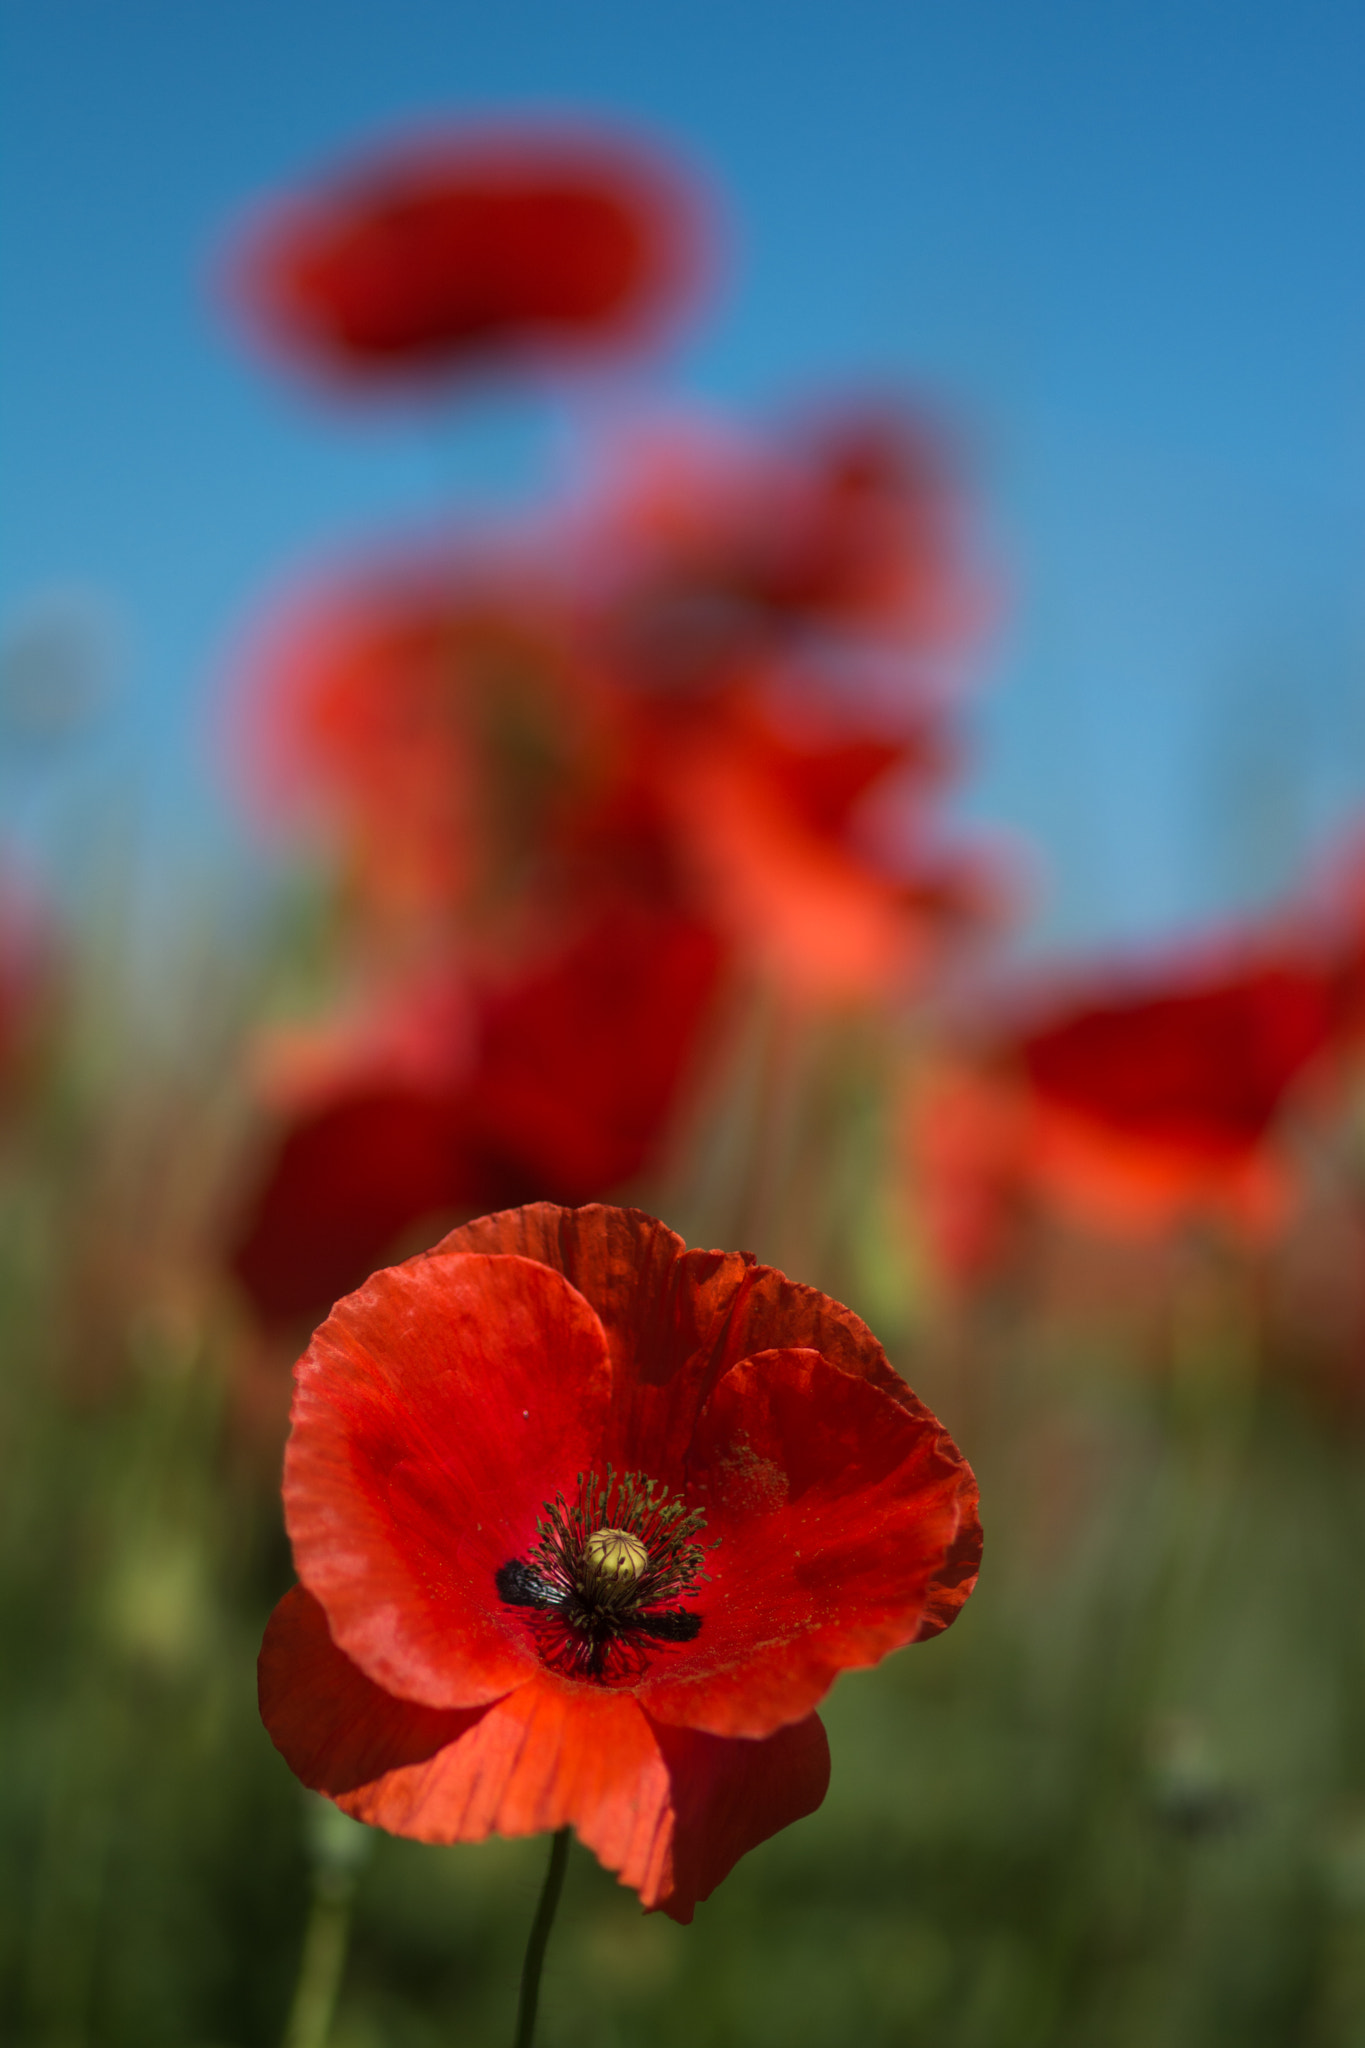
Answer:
(606, 1576)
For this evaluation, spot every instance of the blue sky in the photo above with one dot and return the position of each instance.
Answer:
(1120, 245)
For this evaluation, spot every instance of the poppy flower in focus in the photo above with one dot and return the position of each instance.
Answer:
(586, 1525)
(469, 249)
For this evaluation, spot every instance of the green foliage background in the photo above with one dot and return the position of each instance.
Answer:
(1122, 1802)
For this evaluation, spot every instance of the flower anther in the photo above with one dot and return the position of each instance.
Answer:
(603, 1589)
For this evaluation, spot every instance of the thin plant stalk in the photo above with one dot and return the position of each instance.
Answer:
(538, 1940)
(340, 1848)
(320, 1969)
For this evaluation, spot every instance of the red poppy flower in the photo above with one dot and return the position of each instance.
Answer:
(463, 249)
(965, 1148)
(768, 820)
(1139, 1102)
(1158, 1098)
(578, 1064)
(586, 1526)
(715, 553)
(349, 1175)
(440, 718)
(581, 1060)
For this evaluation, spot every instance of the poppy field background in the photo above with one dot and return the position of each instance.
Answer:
(786, 700)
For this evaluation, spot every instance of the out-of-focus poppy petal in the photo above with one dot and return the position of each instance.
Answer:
(669, 1810)
(845, 1521)
(804, 904)
(576, 1070)
(1158, 1095)
(822, 785)
(435, 1412)
(1110, 1179)
(845, 525)
(438, 714)
(448, 253)
(1200, 1067)
(580, 1064)
(345, 1181)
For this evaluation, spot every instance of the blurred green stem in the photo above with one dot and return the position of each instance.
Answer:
(323, 1960)
(539, 1938)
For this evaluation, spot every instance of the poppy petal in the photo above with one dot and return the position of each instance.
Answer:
(774, 1313)
(662, 1308)
(347, 1178)
(669, 1810)
(675, 1320)
(335, 1728)
(460, 248)
(730, 1795)
(435, 1411)
(582, 1060)
(848, 1528)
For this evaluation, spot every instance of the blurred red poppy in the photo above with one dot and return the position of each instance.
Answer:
(442, 720)
(717, 553)
(476, 728)
(771, 818)
(586, 1525)
(468, 249)
(773, 619)
(29, 984)
(346, 1178)
(1138, 1102)
(965, 1149)
(578, 1062)
(1199, 1070)
(1158, 1098)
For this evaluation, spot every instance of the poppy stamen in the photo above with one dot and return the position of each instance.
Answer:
(607, 1574)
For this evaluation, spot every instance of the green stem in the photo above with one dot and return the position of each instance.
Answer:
(324, 1959)
(538, 1939)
